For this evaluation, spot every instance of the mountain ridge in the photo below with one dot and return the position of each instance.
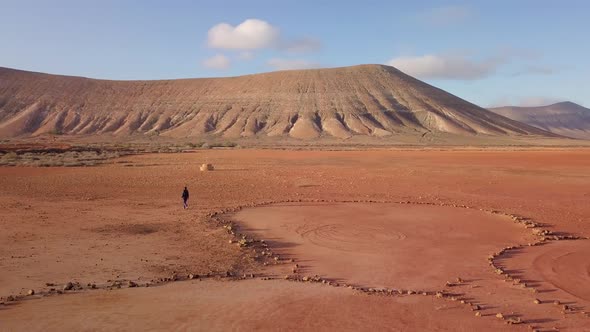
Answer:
(563, 118)
(369, 100)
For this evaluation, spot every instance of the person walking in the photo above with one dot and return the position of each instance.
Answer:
(185, 197)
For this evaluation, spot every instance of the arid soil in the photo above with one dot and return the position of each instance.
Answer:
(412, 247)
(396, 240)
(243, 306)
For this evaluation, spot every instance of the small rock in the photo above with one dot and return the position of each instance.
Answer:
(31, 292)
(514, 320)
(478, 314)
(206, 167)
(500, 316)
(537, 301)
(131, 284)
(68, 286)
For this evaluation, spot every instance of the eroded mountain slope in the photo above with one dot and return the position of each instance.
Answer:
(371, 100)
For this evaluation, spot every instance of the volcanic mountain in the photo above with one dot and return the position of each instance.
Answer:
(370, 100)
(565, 118)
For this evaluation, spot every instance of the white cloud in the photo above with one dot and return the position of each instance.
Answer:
(248, 35)
(218, 61)
(287, 64)
(454, 67)
(462, 66)
(302, 45)
(535, 70)
(246, 56)
(448, 15)
(253, 34)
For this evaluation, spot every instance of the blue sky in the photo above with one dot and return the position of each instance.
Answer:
(488, 52)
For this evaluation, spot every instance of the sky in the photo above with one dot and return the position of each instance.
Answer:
(492, 53)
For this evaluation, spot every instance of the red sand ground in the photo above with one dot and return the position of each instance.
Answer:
(413, 247)
(121, 222)
(558, 269)
(242, 306)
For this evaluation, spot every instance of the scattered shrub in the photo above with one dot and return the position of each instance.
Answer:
(55, 132)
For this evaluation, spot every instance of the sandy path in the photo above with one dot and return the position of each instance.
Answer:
(241, 306)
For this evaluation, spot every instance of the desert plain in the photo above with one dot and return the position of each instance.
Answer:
(429, 239)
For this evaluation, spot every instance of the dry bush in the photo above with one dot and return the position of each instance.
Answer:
(57, 159)
(9, 159)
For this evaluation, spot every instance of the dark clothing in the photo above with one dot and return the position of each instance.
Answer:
(185, 198)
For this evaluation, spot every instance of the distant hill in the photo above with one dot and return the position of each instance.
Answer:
(375, 101)
(565, 118)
